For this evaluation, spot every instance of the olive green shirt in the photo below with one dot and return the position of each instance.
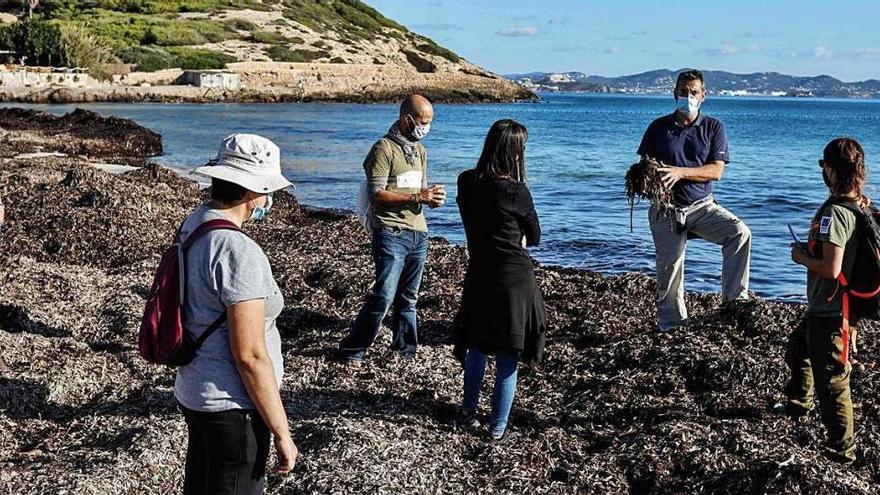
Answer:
(837, 225)
(386, 159)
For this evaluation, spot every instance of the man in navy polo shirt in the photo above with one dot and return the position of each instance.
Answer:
(693, 148)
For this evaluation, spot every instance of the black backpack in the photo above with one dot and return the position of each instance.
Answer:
(863, 288)
(861, 293)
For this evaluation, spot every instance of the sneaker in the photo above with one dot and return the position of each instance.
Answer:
(346, 359)
(834, 456)
(792, 411)
(467, 419)
(507, 437)
(670, 330)
(735, 306)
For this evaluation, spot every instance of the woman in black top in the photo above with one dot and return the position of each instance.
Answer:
(502, 311)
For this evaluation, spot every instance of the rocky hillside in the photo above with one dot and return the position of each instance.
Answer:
(152, 35)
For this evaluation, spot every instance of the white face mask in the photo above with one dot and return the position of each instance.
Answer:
(419, 132)
(689, 106)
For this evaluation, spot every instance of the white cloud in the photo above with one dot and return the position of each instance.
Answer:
(611, 50)
(436, 26)
(868, 52)
(516, 32)
(730, 49)
(822, 52)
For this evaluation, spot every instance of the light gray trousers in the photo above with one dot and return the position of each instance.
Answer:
(712, 222)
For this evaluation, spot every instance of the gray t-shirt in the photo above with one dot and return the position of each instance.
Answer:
(223, 268)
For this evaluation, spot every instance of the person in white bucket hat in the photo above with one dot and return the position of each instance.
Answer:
(229, 393)
(250, 161)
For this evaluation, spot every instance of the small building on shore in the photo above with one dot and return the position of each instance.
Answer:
(17, 76)
(218, 79)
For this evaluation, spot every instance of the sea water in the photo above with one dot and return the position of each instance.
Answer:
(579, 149)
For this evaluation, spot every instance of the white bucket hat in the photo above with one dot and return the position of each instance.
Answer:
(253, 162)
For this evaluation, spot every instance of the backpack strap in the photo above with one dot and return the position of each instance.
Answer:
(216, 224)
(211, 329)
(862, 215)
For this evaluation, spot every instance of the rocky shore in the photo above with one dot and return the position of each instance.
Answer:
(614, 409)
(267, 82)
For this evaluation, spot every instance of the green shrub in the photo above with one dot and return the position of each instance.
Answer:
(146, 59)
(81, 48)
(38, 41)
(187, 32)
(241, 25)
(268, 37)
(150, 59)
(280, 53)
(193, 59)
(338, 60)
(435, 49)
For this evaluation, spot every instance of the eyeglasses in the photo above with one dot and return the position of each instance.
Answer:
(821, 163)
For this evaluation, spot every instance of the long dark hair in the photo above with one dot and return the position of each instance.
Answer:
(847, 158)
(503, 152)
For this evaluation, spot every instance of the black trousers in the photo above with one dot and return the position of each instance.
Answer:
(226, 452)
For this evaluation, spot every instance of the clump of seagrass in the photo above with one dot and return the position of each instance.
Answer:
(645, 180)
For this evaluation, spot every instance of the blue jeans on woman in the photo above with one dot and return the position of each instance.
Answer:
(399, 255)
(506, 363)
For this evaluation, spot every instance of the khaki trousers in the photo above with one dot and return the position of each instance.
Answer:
(712, 222)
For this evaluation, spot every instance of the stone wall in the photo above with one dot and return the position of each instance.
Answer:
(157, 78)
(26, 78)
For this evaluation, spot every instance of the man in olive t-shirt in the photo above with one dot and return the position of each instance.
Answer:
(396, 173)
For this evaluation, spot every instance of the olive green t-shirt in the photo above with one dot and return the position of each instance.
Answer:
(837, 225)
(386, 159)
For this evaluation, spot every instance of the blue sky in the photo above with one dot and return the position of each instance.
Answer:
(808, 37)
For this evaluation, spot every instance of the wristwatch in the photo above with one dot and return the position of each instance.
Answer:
(414, 197)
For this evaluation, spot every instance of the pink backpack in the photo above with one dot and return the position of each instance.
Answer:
(163, 339)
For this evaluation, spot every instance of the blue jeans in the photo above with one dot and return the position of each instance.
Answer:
(400, 258)
(506, 363)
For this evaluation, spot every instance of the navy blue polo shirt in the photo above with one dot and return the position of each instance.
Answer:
(702, 142)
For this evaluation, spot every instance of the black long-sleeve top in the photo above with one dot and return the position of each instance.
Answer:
(496, 215)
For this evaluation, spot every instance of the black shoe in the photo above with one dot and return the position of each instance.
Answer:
(837, 457)
(735, 306)
(342, 357)
(792, 411)
(467, 420)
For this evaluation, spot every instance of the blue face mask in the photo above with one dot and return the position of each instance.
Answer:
(260, 212)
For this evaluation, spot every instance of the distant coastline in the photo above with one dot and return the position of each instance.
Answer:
(543, 93)
(760, 84)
